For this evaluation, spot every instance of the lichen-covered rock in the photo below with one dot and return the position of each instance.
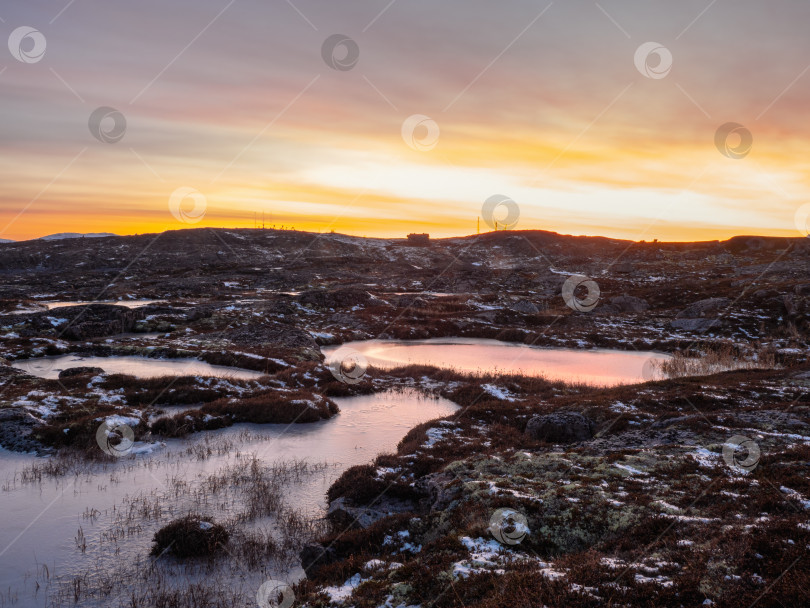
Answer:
(343, 513)
(560, 427)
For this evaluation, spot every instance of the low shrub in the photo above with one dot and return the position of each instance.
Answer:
(191, 536)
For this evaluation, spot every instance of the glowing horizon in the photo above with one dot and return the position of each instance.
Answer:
(542, 104)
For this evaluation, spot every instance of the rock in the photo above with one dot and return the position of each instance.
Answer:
(16, 426)
(411, 301)
(560, 427)
(338, 298)
(625, 303)
(84, 321)
(440, 490)
(83, 370)
(695, 324)
(279, 335)
(802, 290)
(703, 308)
(316, 556)
(343, 513)
(701, 315)
(190, 536)
(525, 307)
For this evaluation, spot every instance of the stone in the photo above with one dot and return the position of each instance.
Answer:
(560, 427)
(701, 315)
(695, 324)
(525, 307)
(83, 370)
(345, 514)
(625, 303)
(316, 556)
(703, 308)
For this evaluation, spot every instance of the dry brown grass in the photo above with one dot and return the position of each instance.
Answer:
(713, 361)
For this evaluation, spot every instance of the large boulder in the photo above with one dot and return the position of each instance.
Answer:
(279, 335)
(338, 298)
(701, 315)
(83, 322)
(525, 307)
(560, 427)
(16, 427)
(343, 513)
(316, 556)
(625, 303)
(704, 308)
(82, 370)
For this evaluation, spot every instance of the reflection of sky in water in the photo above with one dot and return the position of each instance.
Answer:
(598, 367)
(366, 426)
(140, 367)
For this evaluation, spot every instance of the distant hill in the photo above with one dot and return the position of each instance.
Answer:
(7, 241)
(74, 235)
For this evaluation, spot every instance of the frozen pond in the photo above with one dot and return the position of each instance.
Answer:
(125, 303)
(114, 509)
(140, 367)
(600, 367)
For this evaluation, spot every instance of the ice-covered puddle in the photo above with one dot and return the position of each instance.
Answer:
(125, 303)
(601, 367)
(140, 367)
(89, 531)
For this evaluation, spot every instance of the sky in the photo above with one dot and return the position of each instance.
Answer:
(385, 117)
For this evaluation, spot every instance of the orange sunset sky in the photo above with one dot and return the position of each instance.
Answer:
(542, 102)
